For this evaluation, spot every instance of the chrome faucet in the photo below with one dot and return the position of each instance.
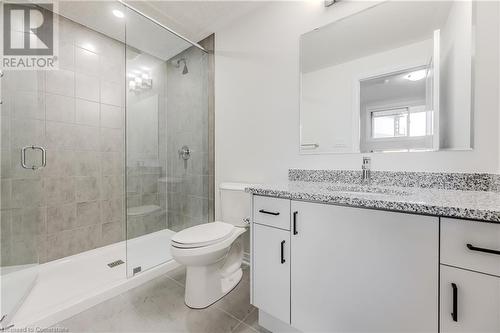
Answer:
(365, 170)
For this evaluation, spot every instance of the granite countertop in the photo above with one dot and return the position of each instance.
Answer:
(468, 204)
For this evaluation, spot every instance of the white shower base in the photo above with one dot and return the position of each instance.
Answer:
(73, 284)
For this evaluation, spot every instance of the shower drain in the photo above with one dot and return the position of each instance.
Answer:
(115, 263)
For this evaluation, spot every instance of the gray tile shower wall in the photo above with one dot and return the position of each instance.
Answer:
(75, 203)
(187, 124)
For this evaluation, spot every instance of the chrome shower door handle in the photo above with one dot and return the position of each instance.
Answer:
(44, 156)
(33, 167)
(23, 157)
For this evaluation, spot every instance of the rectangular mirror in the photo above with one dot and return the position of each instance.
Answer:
(394, 77)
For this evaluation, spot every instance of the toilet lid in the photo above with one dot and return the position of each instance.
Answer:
(203, 234)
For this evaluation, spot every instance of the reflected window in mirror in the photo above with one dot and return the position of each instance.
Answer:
(396, 111)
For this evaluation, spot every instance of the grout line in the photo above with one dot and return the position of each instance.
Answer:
(177, 282)
(216, 307)
(248, 315)
(229, 314)
(242, 323)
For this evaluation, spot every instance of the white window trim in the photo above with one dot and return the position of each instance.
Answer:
(399, 143)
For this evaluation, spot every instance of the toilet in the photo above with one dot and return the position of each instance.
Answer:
(213, 252)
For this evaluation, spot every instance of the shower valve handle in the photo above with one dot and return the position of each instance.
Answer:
(185, 153)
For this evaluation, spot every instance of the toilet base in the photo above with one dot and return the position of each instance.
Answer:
(210, 291)
(212, 271)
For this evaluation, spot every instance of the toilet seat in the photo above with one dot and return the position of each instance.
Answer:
(203, 235)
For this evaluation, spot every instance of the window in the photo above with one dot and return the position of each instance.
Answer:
(396, 111)
(400, 122)
(389, 124)
(398, 128)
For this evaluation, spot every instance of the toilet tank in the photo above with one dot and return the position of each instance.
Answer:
(235, 203)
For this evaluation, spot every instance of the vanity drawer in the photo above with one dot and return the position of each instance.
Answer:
(471, 245)
(273, 212)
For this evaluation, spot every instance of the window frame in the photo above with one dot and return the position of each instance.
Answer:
(398, 143)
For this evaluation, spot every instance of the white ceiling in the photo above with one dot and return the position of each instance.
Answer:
(194, 20)
(391, 88)
(197, 19)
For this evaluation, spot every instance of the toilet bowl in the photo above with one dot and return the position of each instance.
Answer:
(213, 252)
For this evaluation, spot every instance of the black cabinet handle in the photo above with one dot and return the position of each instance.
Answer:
(282, 252)
(268, 212)
(454, 314)
(295, 223)
(480, 249)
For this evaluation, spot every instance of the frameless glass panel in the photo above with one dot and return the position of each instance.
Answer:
(418, 123)
(22, 201)
(68, 196)
(166, 140)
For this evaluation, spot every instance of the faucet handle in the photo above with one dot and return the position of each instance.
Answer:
(366, 162)
(365, 168)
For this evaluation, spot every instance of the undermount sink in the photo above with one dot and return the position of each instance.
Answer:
(363, 189)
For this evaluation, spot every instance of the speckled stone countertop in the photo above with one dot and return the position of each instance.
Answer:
(481, 205)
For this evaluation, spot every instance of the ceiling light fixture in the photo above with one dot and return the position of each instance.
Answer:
(328, 3)
(118, 13)
(88, 46)
(416, 75)
(139, 81)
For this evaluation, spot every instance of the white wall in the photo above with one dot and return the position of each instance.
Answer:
(455, 77)
(257, 98)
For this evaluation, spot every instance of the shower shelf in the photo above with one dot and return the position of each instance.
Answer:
(170, 180)
(142, 210)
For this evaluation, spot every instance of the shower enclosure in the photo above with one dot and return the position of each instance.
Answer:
(167, 141)
(103, 159)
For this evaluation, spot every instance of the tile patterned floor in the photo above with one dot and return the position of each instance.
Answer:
(158, 306)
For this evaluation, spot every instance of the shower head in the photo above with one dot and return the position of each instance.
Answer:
(185, 69)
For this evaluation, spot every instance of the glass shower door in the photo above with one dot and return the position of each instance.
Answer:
(23, 158)
(61, 156)
(166, 140)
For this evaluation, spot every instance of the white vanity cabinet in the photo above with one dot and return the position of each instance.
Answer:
(345, 269)
(329, 268)
(470, 276)
(361, 270)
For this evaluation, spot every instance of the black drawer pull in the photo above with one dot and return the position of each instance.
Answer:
(282, 252)
(268, 212)
(454, 314)
(295, 223)
(480, 249)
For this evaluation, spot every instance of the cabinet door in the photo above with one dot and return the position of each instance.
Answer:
(360, 270)
(271, 271)
(477, 301)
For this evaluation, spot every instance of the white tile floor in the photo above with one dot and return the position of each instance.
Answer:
(158, 306)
